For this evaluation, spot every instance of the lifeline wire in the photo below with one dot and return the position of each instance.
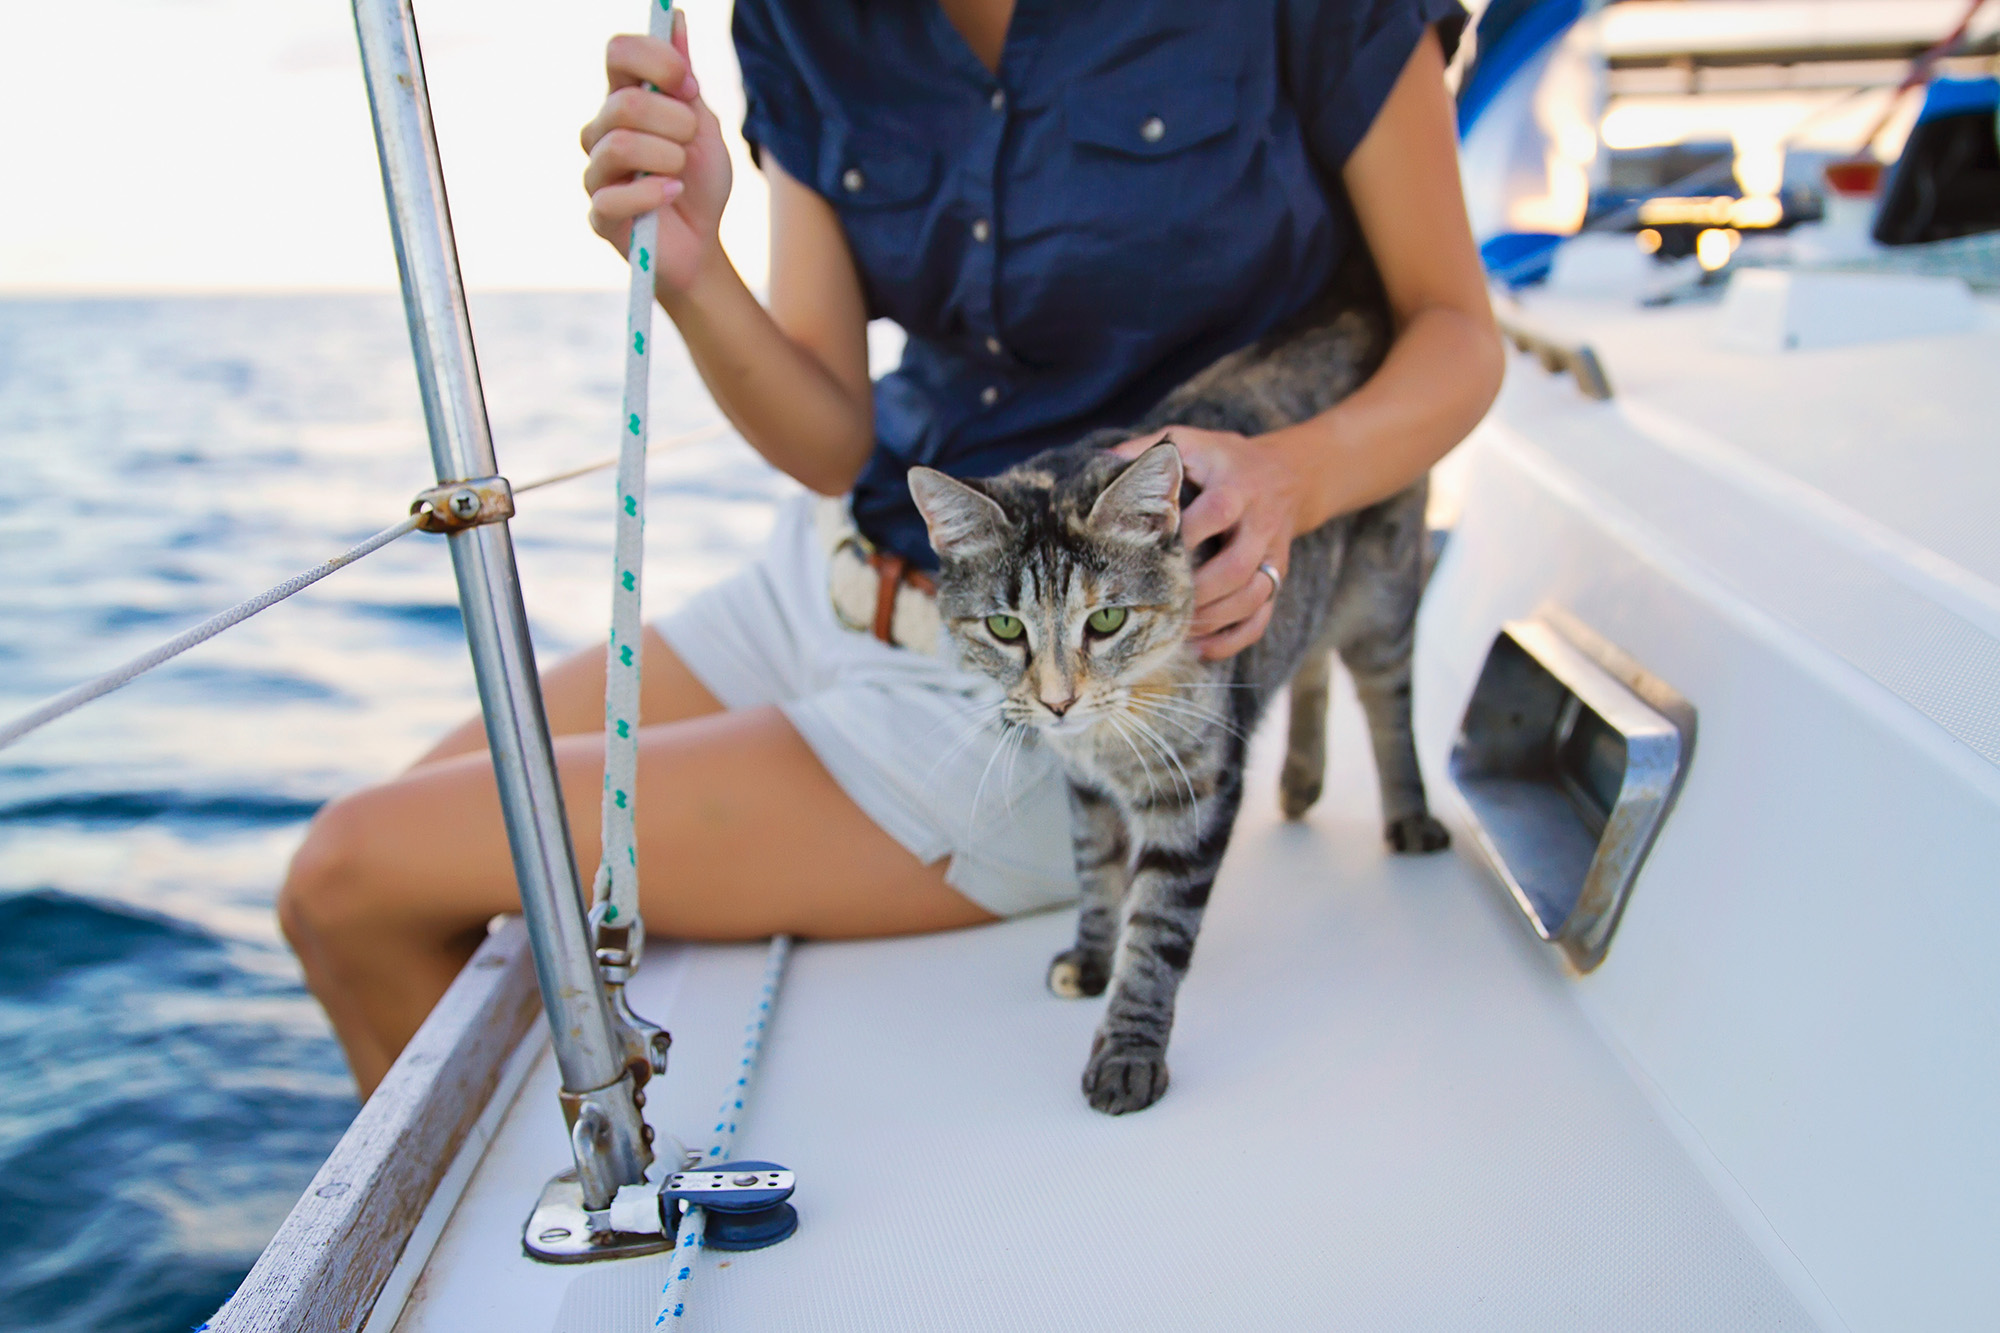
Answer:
(694, 1226)
(615, 891)
(70, 700)
(99, 686)
(686, 437)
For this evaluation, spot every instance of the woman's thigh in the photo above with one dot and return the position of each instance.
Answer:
(742, 833)
(573, 697)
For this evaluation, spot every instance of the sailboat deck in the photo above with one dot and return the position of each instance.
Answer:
(1387, 1112)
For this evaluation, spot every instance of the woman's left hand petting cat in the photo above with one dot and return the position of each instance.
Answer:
(1250, 497)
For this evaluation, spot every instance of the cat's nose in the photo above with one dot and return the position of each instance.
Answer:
(1058, 707)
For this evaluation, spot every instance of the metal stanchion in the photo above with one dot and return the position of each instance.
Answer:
(593, 1049)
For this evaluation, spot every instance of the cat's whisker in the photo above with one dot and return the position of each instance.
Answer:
(972, 812)
(1190, 705)
(1153, 741)
(1155, 702)
(1159, 742)
(1145, 764)
(1013, 742)
(1171, 707)
(1186, 728)
(979, 715)
(1197, 725)
(967, 735)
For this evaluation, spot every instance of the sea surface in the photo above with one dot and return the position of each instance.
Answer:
(167, 1087)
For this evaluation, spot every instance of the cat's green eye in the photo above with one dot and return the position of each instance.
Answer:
(1107, 620)
(1004, 627)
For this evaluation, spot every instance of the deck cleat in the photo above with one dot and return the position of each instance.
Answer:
(745, 1202)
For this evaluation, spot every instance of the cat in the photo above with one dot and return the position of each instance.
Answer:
(1065, 579)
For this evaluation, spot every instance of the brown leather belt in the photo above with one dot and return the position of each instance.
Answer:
(873, 592)
(892, 572)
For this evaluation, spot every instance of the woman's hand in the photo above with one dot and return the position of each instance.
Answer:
(1250, 493)
(657, 150)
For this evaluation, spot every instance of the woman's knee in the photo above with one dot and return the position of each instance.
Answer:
(331, 891)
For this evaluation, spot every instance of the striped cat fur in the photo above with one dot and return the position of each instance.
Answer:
(1065, 579)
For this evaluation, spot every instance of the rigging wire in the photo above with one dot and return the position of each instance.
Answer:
(96, 688)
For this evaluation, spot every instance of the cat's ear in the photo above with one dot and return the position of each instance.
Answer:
(1144, 502)
(961, 519)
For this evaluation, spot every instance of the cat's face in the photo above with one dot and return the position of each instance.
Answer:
(1068, 586)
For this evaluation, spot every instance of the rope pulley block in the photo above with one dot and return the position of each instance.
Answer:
(745, 1201)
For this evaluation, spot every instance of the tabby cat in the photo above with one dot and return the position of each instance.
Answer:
(1066, 580)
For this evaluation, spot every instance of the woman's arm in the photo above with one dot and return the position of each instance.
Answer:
(1444, 367)
(794, 378)
(1442, 371)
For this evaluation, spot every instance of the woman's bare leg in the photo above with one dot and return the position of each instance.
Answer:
(573, 696)
(741, 834)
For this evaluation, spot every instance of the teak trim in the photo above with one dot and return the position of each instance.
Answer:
(326, 1266)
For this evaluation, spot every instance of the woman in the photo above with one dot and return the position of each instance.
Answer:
(1070, 208)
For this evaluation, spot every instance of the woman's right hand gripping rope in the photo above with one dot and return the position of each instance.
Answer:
(654, 144)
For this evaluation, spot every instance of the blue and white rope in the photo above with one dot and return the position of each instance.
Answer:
(615, 892)
(694, 1227)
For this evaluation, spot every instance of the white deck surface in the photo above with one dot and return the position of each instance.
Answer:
(1387, 1112)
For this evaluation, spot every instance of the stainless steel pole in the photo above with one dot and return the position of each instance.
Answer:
(599, 1086)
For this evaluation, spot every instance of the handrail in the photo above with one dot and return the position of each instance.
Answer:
(1576, 358)
(608, 1136)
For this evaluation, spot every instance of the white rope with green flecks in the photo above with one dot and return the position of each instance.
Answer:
(615, 892)
(693, 1234)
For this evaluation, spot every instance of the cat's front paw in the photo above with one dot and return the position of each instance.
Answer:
(1416, 834)
(1124, 1076)
(1077, 973)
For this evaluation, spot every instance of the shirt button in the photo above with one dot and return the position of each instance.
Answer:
(851, 180)
(993, 346)
(989, 395)
(982, 231)
(1153, 129)
(999, 99)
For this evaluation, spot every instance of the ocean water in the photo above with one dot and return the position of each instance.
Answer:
(167, 1087)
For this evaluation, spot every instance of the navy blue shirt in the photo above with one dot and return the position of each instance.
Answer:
(1140, 189)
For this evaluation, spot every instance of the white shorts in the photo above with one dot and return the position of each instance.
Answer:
(910, 738)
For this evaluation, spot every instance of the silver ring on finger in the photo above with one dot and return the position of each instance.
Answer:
(1270, 571)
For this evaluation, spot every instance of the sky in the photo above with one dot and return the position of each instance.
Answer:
(203, 145)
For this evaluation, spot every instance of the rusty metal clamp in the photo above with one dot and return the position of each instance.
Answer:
(458, 505)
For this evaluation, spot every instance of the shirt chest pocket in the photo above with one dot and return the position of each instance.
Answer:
(884, 187)
(1140, 116)
(1158, 171)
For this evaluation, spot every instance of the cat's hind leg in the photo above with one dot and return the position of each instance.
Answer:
(1374, 624)
(1097, 831)
(1384, 689)
(1304, 774)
